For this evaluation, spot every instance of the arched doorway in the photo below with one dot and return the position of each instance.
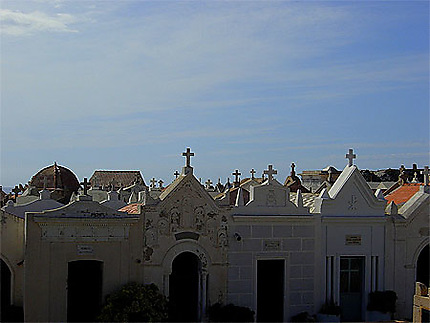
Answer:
(84, 290)
(422, 274)
(5, 287)
(184, 288)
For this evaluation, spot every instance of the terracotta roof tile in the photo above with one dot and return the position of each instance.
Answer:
(131, 208)
(403, 193)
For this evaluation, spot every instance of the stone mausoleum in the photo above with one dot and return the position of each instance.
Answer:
(254, 242)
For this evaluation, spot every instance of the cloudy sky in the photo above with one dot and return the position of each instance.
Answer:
(131, 84)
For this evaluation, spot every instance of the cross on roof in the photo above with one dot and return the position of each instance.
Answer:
(236, 174)
(153, 182)
(293, 166)
(350, 156)
(160, 183)
(16, 190)
(270, 172)
(425, 172)
(188, 154)
(112, 184)
(208, 183)
(86, 185)
(252, 171)
(176, 173)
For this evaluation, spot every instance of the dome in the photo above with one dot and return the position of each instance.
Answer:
(61, 180)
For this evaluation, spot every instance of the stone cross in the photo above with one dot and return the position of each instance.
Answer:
(208, 183)
(350, 156)
(270, 172)
(160, 183)
(153, 182)
(236, 174)
(425, 172)
(252, 171)
(176, 173)
(112, 184)
(16, 190)
(86, 185)
(188, 154)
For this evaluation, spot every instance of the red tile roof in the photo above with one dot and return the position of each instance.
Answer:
(131, 208)
(403, 193)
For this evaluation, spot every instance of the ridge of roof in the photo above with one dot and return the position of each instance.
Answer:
(341, 180)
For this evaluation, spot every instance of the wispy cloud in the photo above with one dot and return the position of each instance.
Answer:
(19, 23)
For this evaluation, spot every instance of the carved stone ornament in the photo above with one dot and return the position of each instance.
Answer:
(271, 198)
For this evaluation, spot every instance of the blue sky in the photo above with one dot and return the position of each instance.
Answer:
(131, 84)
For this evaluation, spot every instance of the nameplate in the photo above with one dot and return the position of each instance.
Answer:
(272, 245)
(85, 250)
(353, 240)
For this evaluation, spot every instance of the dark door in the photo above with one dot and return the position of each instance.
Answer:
(270, 290)
(184, 288)
(5, 288)
(423, 267)
(84, 290)
(351, 288)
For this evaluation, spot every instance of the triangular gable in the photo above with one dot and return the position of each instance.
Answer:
(186, 189)
(350, 196)
(270, 198)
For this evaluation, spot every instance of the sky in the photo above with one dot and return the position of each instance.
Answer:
(128, 85)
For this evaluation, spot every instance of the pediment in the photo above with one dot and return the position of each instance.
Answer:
(270, 198)
(350, 195)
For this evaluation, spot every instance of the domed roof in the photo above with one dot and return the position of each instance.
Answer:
(57, 178)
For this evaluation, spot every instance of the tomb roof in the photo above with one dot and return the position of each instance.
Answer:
(403, 193)
(55, 177)
(123, 178)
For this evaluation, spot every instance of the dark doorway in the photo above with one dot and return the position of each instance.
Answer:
(184, 288)
(423, 266)
(270, 290)
(6, 279)
(84, 290)
(351, 288)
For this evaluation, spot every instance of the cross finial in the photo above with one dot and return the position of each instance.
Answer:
(293, 173)
(350, 156)
(16, 190)
(86, 185)
(176, 173)
(208, 183)
(270, 172)
(188, 154)
(252, 171)
(160, 183)
(425, 172)
(153, 182)
(236, 174)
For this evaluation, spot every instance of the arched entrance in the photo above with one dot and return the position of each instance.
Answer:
(5, 287)
(422, 274)
(84, 290)
(184, 288)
